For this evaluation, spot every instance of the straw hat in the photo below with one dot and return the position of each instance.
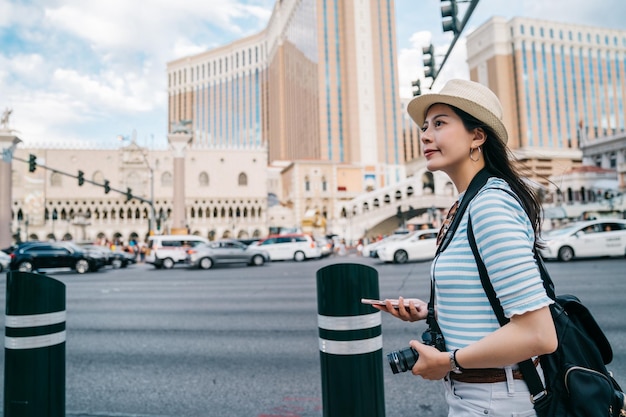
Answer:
(469, 96)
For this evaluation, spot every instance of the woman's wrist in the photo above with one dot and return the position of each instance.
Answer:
(455, 360)
(454, 367)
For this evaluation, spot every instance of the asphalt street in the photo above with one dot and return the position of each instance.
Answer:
(243, 341)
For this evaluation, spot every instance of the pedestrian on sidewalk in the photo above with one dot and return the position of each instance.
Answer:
(476, 360)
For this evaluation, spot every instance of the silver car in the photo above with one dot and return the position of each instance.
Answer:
(205, 255)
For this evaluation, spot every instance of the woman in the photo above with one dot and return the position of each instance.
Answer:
(462, 134)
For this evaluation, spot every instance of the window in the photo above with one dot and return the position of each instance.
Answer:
(167, 180)
(243, 179)
(203, 179)
(56, 180)
(307, 184)
(98, 177)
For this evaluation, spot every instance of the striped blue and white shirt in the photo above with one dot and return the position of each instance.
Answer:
(505, 239)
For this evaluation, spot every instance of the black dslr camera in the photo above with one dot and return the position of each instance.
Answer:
(404, 359)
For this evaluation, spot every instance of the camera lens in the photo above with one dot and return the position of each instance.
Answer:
(402, 360)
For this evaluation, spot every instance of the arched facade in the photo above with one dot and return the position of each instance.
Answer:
(56, 207)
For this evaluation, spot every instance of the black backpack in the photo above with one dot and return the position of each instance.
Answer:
(577, 381)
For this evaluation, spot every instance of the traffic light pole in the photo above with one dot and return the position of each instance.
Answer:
(32, 166)
(80, 178)
(468, 14)
(457, 34)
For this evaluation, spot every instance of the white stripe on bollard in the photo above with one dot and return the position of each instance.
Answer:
(32, 342)
(352, 347)
(35, 320)
(366, 321)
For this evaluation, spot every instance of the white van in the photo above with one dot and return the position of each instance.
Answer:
(167, 250)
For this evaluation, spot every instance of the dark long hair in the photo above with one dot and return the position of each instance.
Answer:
(498, 160)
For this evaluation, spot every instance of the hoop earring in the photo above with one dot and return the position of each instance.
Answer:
(472, 151)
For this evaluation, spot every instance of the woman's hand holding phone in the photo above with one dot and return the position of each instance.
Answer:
(407, 309)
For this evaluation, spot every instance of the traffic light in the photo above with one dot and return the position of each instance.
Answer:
(129, 194)
(107, 187)
(417, 88)
(81, 178)
(450, 22)
(428, 53)
(32, 163)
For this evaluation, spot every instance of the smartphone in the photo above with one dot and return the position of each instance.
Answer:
(382, 303)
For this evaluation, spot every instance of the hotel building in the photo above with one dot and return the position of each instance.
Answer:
(562, 86)
(318, 87)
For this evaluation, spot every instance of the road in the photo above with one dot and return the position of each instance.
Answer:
(243, 341)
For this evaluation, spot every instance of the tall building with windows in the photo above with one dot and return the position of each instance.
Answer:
(561, 85)
(319, 83)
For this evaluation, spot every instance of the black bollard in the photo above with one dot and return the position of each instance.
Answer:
(34, 346)
(350, 341)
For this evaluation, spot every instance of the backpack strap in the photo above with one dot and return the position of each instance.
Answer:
(529, 371)
(477, 183)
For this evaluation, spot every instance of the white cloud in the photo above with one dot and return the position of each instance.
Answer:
(17, 14)
(30, 66)
(455, 66)
(411, 63)
(102, 62)
(151, 26)
(183, 47)
(106, 92)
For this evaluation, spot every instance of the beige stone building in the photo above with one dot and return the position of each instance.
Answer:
(226, 193)
(561, 85)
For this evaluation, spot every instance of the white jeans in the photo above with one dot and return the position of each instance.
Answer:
(499, 399)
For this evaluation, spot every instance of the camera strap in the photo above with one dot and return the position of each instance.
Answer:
(479, 180)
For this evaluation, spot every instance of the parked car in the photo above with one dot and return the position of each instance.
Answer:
(326, 246)
(165, 251)
(5, 260)
(291, 246)
(248, 242)
(114, 259)
(371, 249)
(126, 257)
(205, 255)
(36, 256)
(594, 238)
(420, 245)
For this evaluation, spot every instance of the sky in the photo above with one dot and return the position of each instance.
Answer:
(82, 73)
